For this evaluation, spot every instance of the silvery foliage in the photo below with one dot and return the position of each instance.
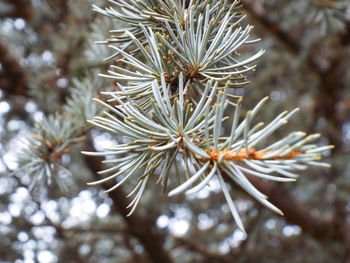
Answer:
(191, 41)
(176, 64)
(328, 15)
(331, 14)
(39, 154)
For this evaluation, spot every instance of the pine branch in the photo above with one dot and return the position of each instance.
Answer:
(170, 111)
(172, 130)
(141, 226)
(166, 44)
(169, 129)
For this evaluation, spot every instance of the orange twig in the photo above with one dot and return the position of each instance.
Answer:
(250, 154)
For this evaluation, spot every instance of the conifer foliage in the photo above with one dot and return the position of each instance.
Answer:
(177, 66)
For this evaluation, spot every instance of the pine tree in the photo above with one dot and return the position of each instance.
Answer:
(169, 106)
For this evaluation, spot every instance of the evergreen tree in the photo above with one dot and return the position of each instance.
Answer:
(176, 159)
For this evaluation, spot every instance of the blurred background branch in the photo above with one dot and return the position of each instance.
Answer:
(12, 75)
(20, 8)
